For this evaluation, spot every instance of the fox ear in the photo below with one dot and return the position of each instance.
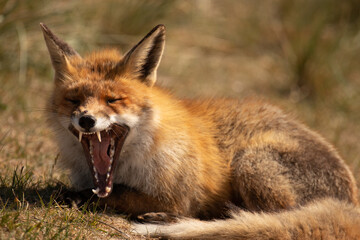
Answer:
(144, 58)
(59, 51)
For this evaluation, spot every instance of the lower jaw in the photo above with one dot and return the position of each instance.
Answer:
(103, 191)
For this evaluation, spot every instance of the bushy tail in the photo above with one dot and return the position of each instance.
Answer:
(325, 219)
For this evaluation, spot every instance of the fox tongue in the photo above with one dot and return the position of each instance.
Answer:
(101, 164)
(100, 156)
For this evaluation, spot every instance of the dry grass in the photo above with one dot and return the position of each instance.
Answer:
(302, 55)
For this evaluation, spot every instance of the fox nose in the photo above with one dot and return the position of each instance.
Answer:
(87, 122)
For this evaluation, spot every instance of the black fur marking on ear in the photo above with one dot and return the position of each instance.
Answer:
(146, 37)
(143, 59)
(153, 56)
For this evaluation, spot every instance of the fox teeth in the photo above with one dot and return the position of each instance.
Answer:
(99, 136)
(108, 189)
(91, 152)
(80, 136)
(96, 191)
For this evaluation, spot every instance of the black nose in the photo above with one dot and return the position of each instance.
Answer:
(87, 122)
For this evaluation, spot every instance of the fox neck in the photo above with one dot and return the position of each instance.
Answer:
(158, 144)
(139, 157)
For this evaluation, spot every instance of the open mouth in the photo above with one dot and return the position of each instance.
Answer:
(102, 149)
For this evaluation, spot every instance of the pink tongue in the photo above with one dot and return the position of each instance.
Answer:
(100, 156)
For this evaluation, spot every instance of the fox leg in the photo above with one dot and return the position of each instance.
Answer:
(260, 183)
(138, 205)
(143, 207)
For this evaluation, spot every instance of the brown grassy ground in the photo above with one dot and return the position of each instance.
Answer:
(302, 55)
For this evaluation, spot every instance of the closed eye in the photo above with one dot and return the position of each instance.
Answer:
(73, 101)
(114, 100)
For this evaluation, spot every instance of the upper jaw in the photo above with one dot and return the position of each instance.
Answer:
(98, 134)
(102, 149)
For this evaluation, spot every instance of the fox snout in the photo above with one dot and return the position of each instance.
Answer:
(88, 122)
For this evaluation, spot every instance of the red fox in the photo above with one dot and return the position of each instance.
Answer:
(147, 153)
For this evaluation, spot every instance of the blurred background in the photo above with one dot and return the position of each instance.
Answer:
(303, 55)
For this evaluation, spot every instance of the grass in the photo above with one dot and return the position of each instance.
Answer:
(302, 55)
(28, 210)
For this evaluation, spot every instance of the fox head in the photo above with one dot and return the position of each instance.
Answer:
(100, 98)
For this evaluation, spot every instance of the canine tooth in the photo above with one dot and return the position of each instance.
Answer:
(99, 136)
(108, 189)
(80, 136)
(96, 191)
(107, 176)
(96, 177)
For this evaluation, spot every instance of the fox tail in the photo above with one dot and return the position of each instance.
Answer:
(324, 219)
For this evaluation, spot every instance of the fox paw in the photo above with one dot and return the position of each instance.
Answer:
(70, 199)
(73, 199)
(157, 217)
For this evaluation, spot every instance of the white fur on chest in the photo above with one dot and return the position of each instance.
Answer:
(134, 164)
(143, 163)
